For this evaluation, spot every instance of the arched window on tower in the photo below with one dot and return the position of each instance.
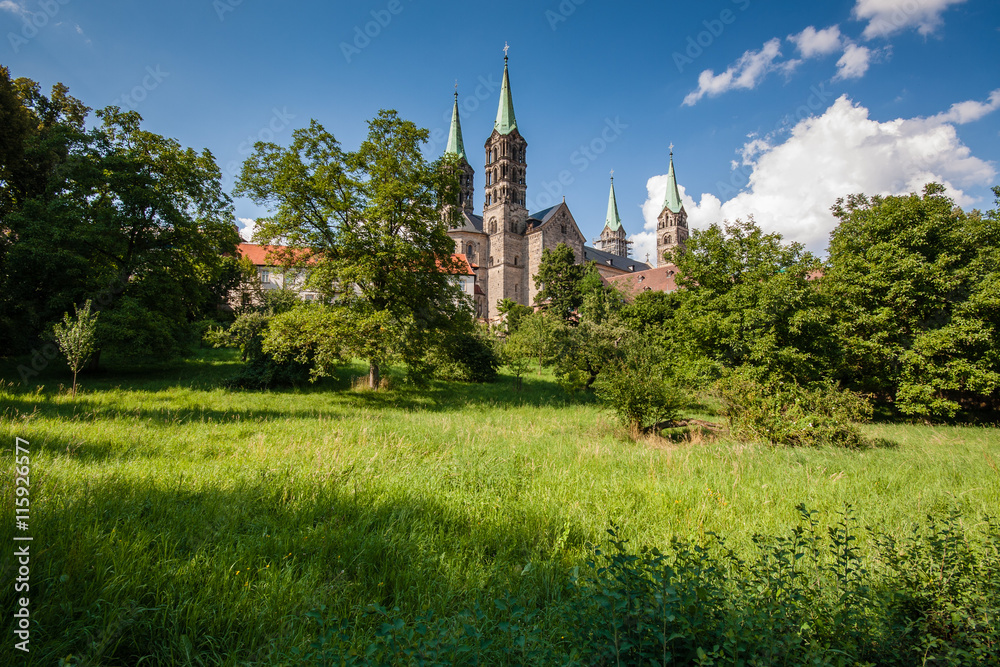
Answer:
(667, 239)
(468, 252)
(493, 229)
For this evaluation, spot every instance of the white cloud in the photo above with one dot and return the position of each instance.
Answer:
(13, 8)
(249, 227)
(886, 17)
(854, 63)
(794, 183)
(748, 71)
(971, 110)
(812, 43)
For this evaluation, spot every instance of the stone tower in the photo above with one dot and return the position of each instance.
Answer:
(613, 238)
(672, 226)
(504, 214)
(456, 146)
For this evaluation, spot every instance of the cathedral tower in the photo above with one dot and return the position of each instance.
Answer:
(672, 226)
(456, 146)
(613, 238)
(504, 214)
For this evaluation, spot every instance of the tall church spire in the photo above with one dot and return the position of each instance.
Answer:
(613, 221)
(456, 146)
(506, 122)
(671, 225)
(673, 199)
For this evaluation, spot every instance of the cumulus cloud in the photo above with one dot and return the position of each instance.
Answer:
(249, 227)
(747, 72)
(854, 63)
(13, 7)
(886, 17)
(794, 182)
(971, 110)
(813, 43)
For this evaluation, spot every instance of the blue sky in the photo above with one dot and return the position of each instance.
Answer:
(774, 108)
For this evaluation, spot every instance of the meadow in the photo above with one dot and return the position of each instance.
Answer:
(176, 522)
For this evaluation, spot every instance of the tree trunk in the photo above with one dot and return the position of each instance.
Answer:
(74, 384)
(374, 378)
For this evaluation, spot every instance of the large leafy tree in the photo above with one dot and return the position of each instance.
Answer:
(374, 224)
(917, 285)
(118, 215)
(559, 280)
(747, 302)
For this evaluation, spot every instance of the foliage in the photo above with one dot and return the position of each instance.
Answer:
(943, 583)
(558, 282)
(374, 226)
(637, 388)
(801, 598)
(75, 338)
(537, 337)
(512, 313)
(118, 215)
(466, 356)
(915, 280)
(790, 414)
(747, 301)
(308, 336)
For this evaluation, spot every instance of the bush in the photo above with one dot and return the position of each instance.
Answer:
(806, 597)
(789, 414)
(637, 388)
(466, 357)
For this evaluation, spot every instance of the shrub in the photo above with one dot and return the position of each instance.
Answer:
(465, 357)
(637, 389)
(789, 414)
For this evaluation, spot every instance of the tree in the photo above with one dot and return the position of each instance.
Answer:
(916, 282)
(75, 338)
(121, 216)
(374, 224)
(512, 313)
(747, 301)
(558, 282)
(536, 337)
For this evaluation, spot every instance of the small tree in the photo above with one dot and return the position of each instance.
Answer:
(75, 338)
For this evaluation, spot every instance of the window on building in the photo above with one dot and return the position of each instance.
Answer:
(563, 228)
(491, 260)
(515, 260)
(515, 289)
(265, 276)
(468, 251)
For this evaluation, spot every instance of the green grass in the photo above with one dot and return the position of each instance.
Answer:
(186, 524)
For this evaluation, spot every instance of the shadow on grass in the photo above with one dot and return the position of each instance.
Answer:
(227, 572)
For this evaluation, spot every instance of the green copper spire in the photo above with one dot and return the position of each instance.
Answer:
(613, 221)
(455, 144)
(506, 122)
(673, 201)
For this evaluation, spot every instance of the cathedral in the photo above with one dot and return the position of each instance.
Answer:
(504, 245)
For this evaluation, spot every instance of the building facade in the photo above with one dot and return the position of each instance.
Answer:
(505, 243)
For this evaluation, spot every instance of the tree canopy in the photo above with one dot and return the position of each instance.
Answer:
(374, 222)
(119, 215)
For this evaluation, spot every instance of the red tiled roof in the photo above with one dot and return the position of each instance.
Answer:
(271, 255)
(274, 255)
(660, 279)
(463, 268)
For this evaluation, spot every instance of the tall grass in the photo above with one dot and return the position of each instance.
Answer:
(177, 523)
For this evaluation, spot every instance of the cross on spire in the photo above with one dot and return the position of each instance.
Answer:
(612, 174)
(506, 48)
(671, 148)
